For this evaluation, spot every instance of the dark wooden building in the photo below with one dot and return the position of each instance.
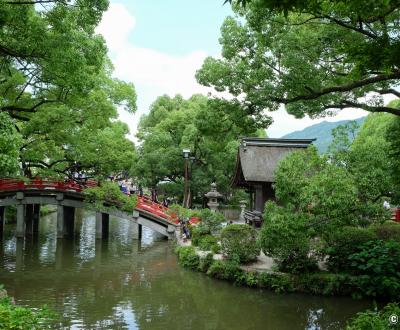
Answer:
(256, 162)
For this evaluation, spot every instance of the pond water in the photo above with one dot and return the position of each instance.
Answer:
(121, 283)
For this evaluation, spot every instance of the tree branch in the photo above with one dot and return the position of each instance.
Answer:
(345, 88)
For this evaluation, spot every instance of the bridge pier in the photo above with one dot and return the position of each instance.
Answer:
(32, 215)
(36, 218)
(137, 231)
(102, 225)
(29, 219)
(20, 221)
(2, 219)
(65, 221)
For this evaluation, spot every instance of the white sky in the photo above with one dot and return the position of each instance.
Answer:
(155, 72)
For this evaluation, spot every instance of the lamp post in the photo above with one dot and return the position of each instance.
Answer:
(186, 153)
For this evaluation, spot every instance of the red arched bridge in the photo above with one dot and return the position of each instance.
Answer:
(28, 194)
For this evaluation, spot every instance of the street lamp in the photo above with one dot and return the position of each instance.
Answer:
(186, 153)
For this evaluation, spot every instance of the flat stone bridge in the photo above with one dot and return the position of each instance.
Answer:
(29, 195)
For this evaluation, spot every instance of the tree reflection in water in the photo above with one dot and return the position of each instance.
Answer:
(121, 283)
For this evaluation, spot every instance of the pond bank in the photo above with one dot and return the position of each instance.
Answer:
(261, 274)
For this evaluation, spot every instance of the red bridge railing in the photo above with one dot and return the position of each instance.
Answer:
(146, 204)
(26, 184)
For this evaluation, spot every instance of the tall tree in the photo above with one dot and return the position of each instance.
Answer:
(10, 142)
(209, 128)
(55, 81)
(314, 57)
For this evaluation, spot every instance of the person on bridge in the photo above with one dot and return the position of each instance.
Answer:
(165, 202)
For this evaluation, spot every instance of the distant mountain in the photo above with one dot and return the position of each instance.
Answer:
(322, 132)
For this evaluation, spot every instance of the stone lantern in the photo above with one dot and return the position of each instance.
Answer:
(213, 196)
(242, 204)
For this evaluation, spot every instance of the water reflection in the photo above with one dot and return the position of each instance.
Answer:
(121, 283)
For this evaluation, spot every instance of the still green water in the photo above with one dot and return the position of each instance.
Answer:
(121, 283)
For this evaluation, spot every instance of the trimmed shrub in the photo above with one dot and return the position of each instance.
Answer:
(377, 267)
(378, 320)
(187, 257)
(225, 270)
(211, 222)
(207, 242)
(239, 242)
(389, 230)
(285, 236)
(343, 243)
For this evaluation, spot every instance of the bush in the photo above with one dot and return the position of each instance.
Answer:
(286, 238)
(387, 231)
(239, 242)
(378, 320)
(187, 257)
(16, 317)
(342, 243)
(377, 266)
(211, 222)
(225, 270)
(206, 262)
(207, 242)
(109, 195)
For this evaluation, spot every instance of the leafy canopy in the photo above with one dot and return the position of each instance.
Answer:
(314, 57)
(209, 128)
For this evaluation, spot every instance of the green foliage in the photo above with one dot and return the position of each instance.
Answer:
(206, 262)
(392, 135)
(387, 231)
(56, 83)
(239, 242)
(187, 257)
(340, 244)
(108, 194)
(10, 142)
(311, 56)
(285, 237)
(377, 266)
(209, 128)
(225, 270)
(211, 222)
(207, 243)
(377, 320)
(16, 317)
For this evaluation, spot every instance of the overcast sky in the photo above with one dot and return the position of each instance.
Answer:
(159, 44)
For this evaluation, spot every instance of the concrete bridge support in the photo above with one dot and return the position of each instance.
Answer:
(102, 225)
(36, 218)
(2, 219)
(65, 221)
(27, 219)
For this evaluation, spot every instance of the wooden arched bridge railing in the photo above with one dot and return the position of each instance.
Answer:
(144, 203)
(9, 184)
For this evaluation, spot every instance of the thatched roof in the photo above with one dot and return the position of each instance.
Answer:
(258, 158)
